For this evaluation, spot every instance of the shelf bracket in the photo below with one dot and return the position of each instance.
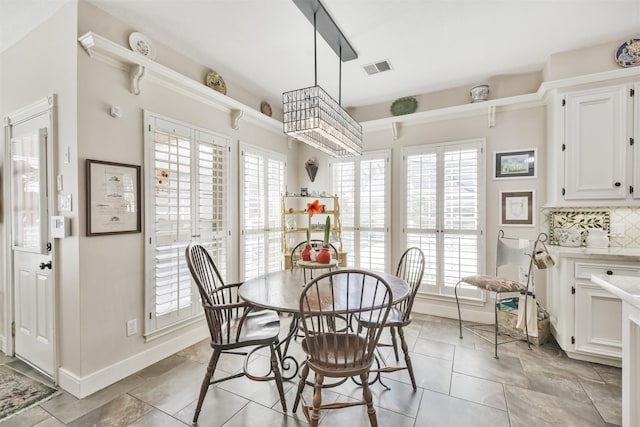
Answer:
(395, 130)
(235, 118)
(491, 116)
(135, 74)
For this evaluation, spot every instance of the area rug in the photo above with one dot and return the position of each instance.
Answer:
(18, 391)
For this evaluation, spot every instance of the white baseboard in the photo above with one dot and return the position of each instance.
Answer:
(82, 387)
(435, 308)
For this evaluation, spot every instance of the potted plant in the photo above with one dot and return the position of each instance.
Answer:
(324, 256)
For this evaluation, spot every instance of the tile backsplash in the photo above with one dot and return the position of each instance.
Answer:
(606, 218)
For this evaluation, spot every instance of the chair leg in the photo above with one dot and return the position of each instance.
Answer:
(206, 382)
(407, 357)
(394, 342)
(275, 367)
(495, 309)
(317, 399)
(303, 379)
(368, 398)
(455, 290)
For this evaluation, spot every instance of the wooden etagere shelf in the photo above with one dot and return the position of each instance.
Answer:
(296, 220)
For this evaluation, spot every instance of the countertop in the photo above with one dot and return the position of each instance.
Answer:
(626, 288)
(594, 252)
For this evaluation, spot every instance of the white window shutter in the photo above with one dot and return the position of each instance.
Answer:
(363, 185)
(262, 175)
(443, 192)
(186, 187)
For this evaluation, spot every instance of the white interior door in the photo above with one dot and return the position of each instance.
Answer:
(31, 251)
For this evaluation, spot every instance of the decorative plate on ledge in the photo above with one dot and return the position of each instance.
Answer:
(216, 82)
(141, 44)
(628, 54)
(265, 108)
(402, 106)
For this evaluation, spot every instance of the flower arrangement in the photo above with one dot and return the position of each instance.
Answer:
(313, 208)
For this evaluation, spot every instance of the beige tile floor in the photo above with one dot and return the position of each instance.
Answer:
(459, 384)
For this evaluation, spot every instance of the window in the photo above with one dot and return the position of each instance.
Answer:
(363, 187)
(262, 181)
(186, 180)
(444, 190)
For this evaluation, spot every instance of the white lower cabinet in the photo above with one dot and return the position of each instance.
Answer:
(585, 319)
(598, 321)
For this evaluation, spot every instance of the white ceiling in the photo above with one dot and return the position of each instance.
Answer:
(266, 46)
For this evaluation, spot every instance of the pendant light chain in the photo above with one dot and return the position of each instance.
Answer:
(340, 77)
(315, 50)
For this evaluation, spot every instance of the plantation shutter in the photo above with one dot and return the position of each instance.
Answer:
(363, 185)
(186, 179)
(373, 218)
(263, 182)
(443, 193)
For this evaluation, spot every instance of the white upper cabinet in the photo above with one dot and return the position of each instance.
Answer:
(592, 152)
(635, 142)
(596, 141)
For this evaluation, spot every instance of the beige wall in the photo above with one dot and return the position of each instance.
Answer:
(589, 60)
(41, 64)
(112, 279)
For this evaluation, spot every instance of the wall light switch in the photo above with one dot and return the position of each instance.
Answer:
(64, 202)
(59, 182)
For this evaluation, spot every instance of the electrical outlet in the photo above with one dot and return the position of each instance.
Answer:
(132, 327)
(617, 229)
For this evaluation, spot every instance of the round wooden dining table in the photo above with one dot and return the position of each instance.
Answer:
(281, 290)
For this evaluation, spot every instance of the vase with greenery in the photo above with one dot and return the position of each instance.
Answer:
(324, 256)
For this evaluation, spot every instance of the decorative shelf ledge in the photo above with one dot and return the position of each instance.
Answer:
(141, 68)
(489, 107)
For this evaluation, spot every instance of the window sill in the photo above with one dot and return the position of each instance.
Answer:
(169, 329)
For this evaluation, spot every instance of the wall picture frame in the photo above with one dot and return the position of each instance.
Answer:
(517, 208)
(113, 198)
(514, 164)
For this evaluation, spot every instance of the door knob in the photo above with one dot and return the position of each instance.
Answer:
(45, 265)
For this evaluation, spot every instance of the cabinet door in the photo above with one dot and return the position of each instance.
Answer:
(598, 321)
(635, 148)
(595, 135)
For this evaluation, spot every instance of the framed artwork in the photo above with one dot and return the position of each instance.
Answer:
(514, 164)
(517, 208)
(113, 198)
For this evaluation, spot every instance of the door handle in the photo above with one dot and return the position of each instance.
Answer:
(45, 265)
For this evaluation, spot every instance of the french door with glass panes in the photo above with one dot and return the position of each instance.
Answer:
(262, 182)
(186, 201)
(363, 185)
(444, 212)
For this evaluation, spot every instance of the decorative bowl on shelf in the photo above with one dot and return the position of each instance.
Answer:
(403, 106)
(479, 93)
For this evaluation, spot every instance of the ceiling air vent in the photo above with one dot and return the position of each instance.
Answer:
(377, 67)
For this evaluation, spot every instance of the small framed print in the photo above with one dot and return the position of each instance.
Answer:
(113, 198)
(517, 208)
(514, 164)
